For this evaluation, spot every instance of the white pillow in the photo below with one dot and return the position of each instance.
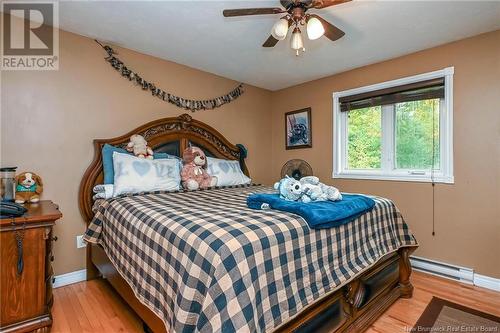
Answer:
(134, 174)
(228, 172)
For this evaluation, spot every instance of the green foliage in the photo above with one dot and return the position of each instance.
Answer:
(415, 133)
(365, 138)
(416, 124)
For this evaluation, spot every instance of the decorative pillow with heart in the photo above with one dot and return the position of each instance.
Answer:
(228, 172)
(134, 175)
(107, 160)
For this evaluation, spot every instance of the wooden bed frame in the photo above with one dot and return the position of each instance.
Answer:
(351, 308)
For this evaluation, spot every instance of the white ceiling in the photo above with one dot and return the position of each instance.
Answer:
(195, 33)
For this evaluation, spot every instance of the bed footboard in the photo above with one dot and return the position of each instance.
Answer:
(352, 308)
(405, 272)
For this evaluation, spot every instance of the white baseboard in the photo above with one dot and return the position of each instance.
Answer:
(486, 282)
(462, 274)
(69, 278)
(454, 272)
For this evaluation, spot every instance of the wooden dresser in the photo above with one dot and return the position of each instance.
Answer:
(26, 298)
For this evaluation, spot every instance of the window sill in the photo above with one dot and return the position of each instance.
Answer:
(395, 177)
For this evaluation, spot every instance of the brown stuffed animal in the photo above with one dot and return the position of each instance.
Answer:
(194, 174)
(29, 186)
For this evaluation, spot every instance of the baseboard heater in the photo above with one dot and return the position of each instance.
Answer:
(458, 273)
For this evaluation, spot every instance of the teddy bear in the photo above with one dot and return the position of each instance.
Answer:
(29, 186)
(307, 189)
(194, 174)
(139, 146)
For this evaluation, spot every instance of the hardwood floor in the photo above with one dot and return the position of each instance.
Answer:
(93, 306)
(403, 314)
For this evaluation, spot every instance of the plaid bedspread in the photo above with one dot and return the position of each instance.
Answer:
(203, 261)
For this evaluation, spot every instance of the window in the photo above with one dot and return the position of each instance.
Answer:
(396, 130)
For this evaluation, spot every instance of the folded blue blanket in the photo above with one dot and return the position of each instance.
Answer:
(320, 214)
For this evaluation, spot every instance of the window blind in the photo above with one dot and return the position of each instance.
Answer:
(416, 91)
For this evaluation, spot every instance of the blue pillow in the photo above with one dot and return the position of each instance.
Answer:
(107, 161)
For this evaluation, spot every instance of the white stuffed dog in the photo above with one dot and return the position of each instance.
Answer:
(139, 146)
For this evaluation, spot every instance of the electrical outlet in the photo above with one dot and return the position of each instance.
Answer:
(79, 242)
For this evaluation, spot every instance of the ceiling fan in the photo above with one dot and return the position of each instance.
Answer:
(296, 16)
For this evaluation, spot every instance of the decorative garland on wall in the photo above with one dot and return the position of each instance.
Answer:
(188, 104)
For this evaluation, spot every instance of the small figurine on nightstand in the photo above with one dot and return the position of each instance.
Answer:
(29, 186)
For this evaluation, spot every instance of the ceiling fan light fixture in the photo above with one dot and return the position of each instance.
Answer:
(280, 29)
(294, 14)
(314, 28)
(296, 42)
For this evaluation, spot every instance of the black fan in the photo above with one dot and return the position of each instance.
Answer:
(297, 169)
(294, 15)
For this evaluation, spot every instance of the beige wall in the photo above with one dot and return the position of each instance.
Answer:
(468, 212)
(48, 121)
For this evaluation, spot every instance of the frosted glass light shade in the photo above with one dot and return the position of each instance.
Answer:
(314, 28)
(280, 29)
(296, 41)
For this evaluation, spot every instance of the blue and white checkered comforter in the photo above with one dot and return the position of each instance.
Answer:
(203, 261)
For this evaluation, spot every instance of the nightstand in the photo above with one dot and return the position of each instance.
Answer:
(26, 296)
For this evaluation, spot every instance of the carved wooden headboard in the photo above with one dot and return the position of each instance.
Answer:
(170, 135)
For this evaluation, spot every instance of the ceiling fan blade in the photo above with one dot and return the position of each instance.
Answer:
(270, 42)
(318, 4)
(286, 3)
(251, 11)
(331, 32)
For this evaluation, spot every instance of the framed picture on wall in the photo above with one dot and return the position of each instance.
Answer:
(298, 130)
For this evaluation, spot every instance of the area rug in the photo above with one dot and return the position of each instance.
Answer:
(445, 316)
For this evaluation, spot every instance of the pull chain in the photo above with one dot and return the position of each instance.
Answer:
(433, 209)
(432, 170)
